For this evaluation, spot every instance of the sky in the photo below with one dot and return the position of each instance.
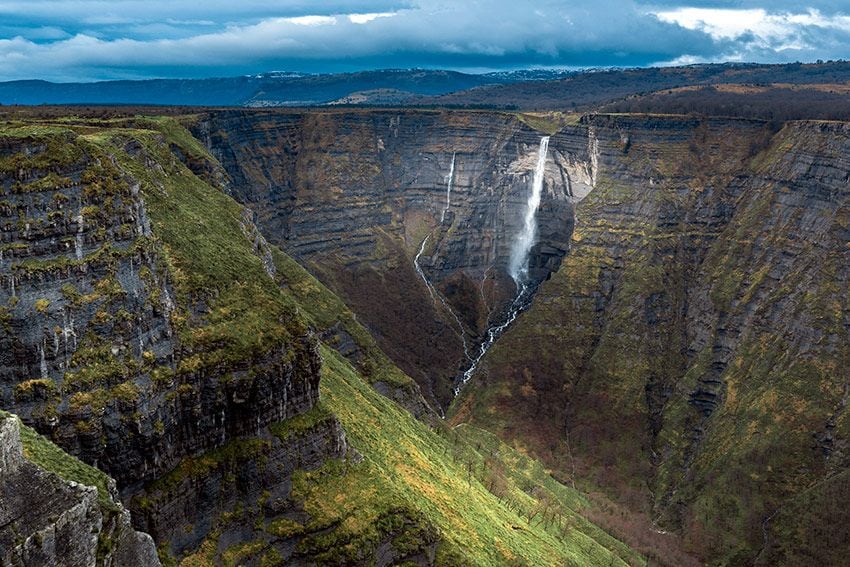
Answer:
(87, 40)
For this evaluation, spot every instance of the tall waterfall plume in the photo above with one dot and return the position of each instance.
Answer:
(449, 180)
(518, 264)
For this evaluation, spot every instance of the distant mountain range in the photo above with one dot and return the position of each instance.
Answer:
(270, 89)
(522, 89)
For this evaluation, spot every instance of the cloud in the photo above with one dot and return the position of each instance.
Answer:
(759, 34)
(95, 39)
(366, 18)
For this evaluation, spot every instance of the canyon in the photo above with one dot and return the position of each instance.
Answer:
(152, 329)
(256, 320)
(700, 315)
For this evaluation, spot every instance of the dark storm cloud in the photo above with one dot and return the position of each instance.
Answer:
(86, 39)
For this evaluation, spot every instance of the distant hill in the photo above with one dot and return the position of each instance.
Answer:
(777, 102)
(522, 89)
(589, 89)
(272, 89)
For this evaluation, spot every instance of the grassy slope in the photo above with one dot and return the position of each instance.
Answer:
(406, 464)
(323, 309)
(44, 453)
(208, 256)
(760, 451)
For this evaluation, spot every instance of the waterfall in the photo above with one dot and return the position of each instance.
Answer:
(461, 332)
(520, 302)
(518, 264)
(78, 239)
(449, 180)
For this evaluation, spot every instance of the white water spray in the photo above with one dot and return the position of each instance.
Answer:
(42, 361)
(78, 240)
(518, 264)
(449, 180)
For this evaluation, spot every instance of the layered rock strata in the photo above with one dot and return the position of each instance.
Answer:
(89, 352)
(688, 354)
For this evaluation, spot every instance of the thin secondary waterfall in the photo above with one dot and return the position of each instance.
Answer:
(42, 361)
(449, 180)
(517, 266)
(78, 240)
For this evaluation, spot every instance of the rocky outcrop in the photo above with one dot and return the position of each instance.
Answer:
(353, 195)
(45, 520)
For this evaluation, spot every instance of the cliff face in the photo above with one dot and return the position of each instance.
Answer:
(48, 520)
(191, 371)
(358, 196)
(104, 344)
(688, 354)
(235, 493)
(685, 349)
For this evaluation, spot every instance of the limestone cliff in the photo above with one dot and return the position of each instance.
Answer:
(684, 352)
(151, 326)
(140, 324)
(101, 347)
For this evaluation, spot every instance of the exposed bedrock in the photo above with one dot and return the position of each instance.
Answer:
(45, 520)
(88, 351)
(354, 195)
(237, 492)
(110, 348)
